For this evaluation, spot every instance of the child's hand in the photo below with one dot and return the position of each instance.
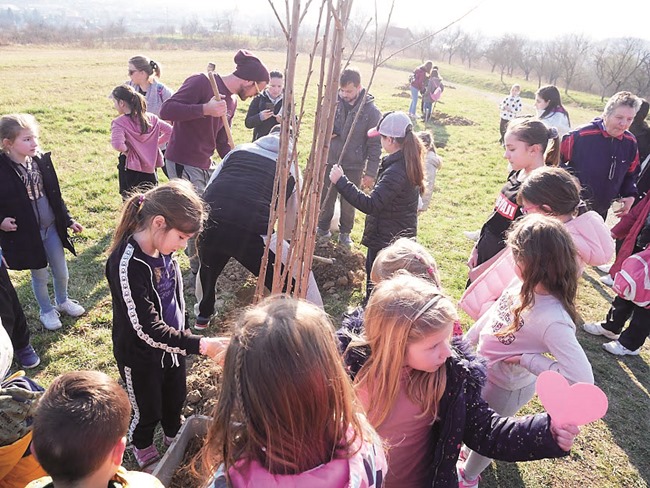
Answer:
(76, 227)
(9, 225)
(215, 348)
(336, 173)
(564, 435)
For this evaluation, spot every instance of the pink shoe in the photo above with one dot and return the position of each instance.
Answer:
(147, 456)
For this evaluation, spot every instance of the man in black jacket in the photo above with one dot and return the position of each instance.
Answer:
(361, 158)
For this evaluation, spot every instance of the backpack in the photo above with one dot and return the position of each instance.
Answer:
(632, 282)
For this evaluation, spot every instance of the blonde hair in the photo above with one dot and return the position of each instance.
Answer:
(403, 310)
(286, 401)
(177, 202)
(12, 124)
(405, 254)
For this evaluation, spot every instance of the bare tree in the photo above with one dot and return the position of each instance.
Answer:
(526, 59)
(553, 67)
(572, 51)
(616, 62)
(470, 48)
(451, 42)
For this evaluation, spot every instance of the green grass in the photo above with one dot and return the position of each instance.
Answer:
(67, 89)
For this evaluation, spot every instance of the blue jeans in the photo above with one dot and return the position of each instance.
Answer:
(414, 101)
(40, 277)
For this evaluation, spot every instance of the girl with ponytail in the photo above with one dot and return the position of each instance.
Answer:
(391, 208)
(137, 135)
(144, 78)
(150, 339)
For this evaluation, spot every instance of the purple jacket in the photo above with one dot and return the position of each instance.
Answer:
(195, 136)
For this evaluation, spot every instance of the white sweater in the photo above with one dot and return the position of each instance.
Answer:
(546, 328)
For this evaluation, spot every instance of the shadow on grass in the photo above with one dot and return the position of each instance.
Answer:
(629, 410)
(86, 273)
(502, 474)
(626, 382)
(440, 133)
(603, 290)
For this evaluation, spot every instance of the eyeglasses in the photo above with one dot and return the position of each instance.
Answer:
(257, 88)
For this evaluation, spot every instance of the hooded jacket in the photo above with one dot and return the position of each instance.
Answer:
(591, 238)
(23, 248)
(365, 469)
(391, 208)
(142, 150)
(361, 148)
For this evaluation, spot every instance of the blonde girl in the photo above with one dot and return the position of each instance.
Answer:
(34, 219)
(432, 163)
(150, 339)
(533, 318)
(392, 205)
(526, 141)
(287, 414)
(137, 135)
(422, 392)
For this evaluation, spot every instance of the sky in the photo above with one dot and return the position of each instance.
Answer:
(493, 18)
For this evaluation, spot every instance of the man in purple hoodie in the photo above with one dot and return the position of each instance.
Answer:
(197, 117)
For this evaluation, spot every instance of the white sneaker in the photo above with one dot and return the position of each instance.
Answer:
(607, 280)
(71, 307)
(50, 320)
(616, 348)
(472, 235)
(599, 330)
(604, 268)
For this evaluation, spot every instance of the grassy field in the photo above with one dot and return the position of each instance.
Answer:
(67, 91)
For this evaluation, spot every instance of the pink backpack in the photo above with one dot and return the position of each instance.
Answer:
(632, 282)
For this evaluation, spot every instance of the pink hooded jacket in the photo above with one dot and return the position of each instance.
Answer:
(365, 469)
(142, 152)
(593, 242)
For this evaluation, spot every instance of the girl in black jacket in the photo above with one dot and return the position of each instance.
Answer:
(392, 206)
(150, 340)
(33, 217)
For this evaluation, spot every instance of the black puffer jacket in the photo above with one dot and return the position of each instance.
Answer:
(23, 248)
(258, 104)
(465, 418)
(391, 207)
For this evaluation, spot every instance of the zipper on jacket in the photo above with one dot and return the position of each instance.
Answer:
(444, 434)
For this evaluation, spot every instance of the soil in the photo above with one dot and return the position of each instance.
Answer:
(347, 271)
(441, 118)
(183, 478)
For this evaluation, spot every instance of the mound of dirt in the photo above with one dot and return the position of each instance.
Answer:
(441, 118)
(347, 270)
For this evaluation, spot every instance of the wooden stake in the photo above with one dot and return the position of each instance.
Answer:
(224, 117)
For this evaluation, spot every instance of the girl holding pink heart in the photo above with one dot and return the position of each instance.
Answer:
(422, 391)
(533, 317)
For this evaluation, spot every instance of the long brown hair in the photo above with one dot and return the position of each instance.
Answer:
(286, 401)
(414, 154)
(544, 251)
(397, 316)
(137, 104)
(176, 201)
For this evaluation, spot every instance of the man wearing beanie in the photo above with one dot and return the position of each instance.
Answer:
(196, 114)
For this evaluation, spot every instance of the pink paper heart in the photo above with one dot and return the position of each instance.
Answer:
(578, 404)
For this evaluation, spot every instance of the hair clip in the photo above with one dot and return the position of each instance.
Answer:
(140, 201)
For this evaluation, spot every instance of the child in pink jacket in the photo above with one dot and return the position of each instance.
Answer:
(553, 192)
(137, 134)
